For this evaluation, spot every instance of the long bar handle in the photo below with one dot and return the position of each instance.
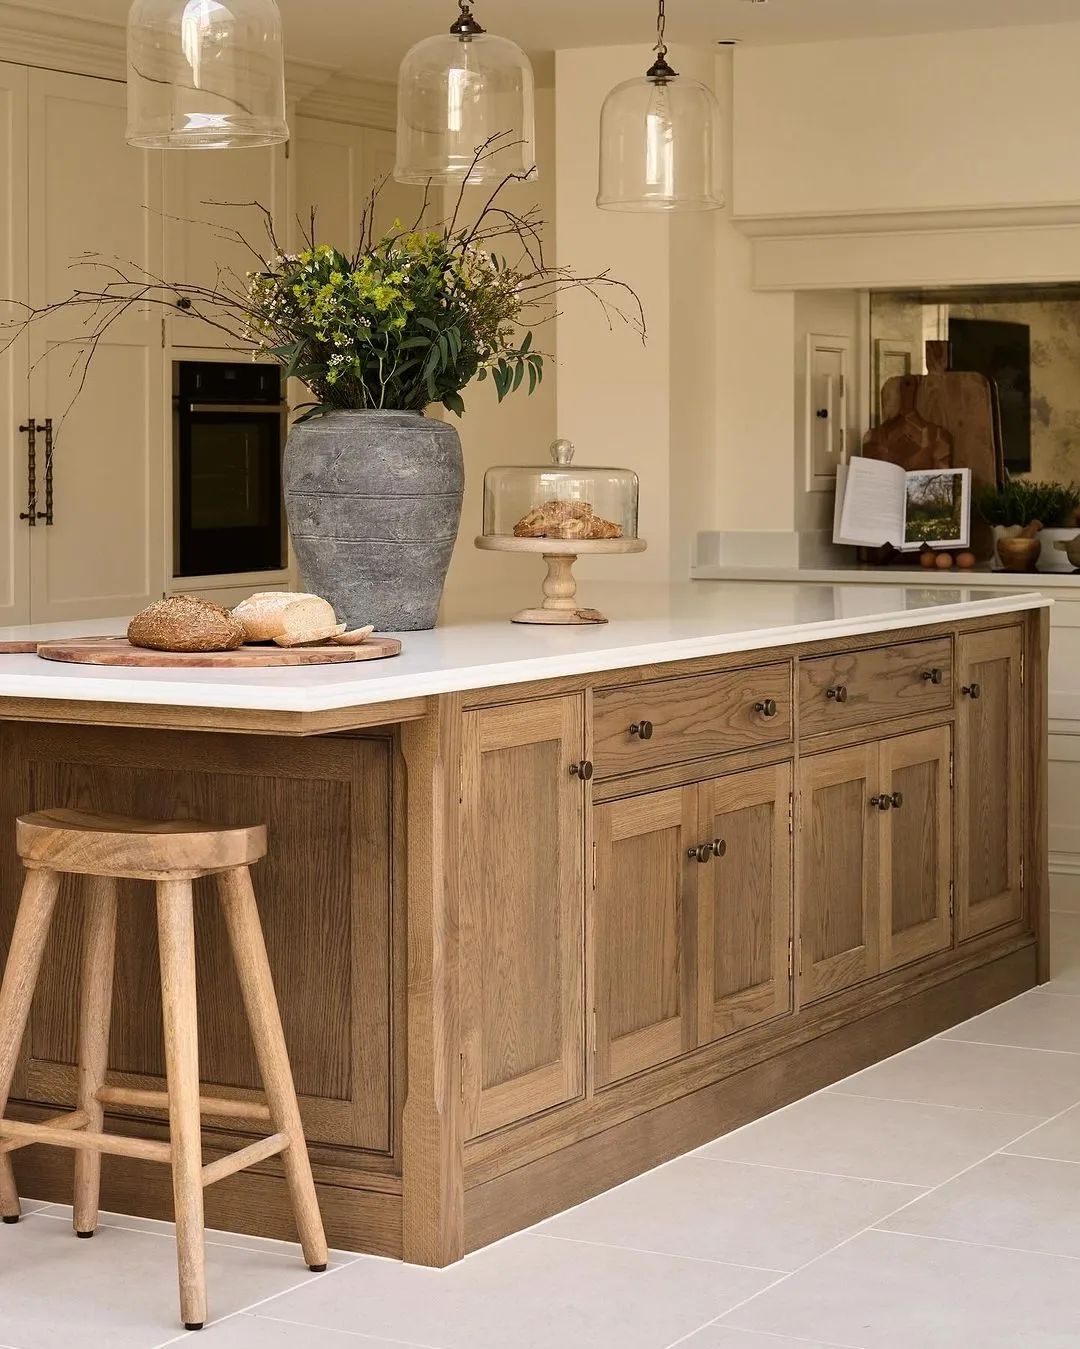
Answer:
(30, 515)
(48, 515)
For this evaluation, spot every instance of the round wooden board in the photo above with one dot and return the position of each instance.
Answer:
(18, 648)
(118, 651)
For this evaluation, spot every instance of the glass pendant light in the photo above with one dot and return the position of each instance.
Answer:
(205, 74)
(658, 141)
(459, 92)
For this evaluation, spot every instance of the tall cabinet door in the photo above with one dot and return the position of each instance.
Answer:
(744, 902)
(840, 849)
(14, 491)
(916, 857)
(643, 931)
(101, 551)
(522, 910)
(990, 745)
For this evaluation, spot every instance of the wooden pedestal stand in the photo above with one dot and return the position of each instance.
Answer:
(560, 586)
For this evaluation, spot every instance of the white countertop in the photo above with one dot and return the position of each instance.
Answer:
(1062, 584)
(649, 624)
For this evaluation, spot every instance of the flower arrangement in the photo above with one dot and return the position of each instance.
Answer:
(401, 322)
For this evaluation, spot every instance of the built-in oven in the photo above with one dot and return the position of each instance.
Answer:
(230, 422)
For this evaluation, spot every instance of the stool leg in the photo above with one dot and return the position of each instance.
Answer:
(264, 1018)
(176, 948)
(95, 1017)
(16, 995)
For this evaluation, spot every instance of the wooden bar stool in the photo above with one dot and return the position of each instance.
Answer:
(172, 854)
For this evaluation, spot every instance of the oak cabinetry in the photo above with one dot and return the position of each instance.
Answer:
(990, 755)
(522, 913)
(858, 688)
(647, 725)
(876, 859)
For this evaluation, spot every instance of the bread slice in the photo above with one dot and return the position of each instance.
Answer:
(287, 618)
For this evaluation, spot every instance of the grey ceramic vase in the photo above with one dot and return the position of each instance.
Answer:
(374, 505)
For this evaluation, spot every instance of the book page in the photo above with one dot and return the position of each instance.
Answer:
(872, 511)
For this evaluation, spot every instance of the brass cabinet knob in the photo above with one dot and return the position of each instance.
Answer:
(838, 693)
(897, 800)
(882, 802)
(972, 690)
(583, 770)
(642, 729)
(934, 675)
(767, 707)
(719, 847)
(704, 853)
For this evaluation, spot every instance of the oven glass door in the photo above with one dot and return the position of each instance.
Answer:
(230, 516)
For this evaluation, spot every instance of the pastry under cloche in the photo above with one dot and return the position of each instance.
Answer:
(561, 500)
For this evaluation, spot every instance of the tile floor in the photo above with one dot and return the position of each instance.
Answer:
(931, 1202)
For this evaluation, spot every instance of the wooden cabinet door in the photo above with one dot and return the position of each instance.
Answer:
(522, 910)
(642, 931)
(916, 855)
(989, 787)
(90, 193)
(744, 902)
(840, 849)
(14, 488)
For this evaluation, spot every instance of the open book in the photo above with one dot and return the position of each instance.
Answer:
(879, 503)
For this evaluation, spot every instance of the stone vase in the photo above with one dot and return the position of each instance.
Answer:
(374, 504)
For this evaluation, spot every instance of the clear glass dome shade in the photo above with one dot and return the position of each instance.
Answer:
(205, 74)
(658, 146)
(455, 93)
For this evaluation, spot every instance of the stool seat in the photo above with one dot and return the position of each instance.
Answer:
(90, 844)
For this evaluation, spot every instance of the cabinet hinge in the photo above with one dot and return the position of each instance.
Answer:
(1021, 873)
(791, 958)
(593, 1035)
(164, 334)
(952, 898)
(594, 865)
(462, 1057)
(791, 813)
(952, 770)
(1021, 669)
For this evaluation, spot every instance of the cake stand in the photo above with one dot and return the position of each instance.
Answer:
(560, 585)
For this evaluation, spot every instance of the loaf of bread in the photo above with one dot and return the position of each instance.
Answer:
(185, 623)
(287, 619)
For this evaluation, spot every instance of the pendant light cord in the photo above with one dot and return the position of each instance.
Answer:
(661, 29)
(660, 71)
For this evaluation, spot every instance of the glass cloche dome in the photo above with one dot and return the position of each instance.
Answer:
(458, 92)
(205, 74)
(561, 500)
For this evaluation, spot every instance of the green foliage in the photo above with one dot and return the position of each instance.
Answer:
(1021, 501)
(410, 321)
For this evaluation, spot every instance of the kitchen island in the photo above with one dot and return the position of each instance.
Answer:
(548, 906)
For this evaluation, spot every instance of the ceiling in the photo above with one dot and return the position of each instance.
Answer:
(369, 37)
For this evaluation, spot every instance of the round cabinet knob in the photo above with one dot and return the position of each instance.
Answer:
(897, 800)
(882, 802)
(719, 847)
(642, 729)
(583, 770)
(702, 854)
(823, 413)
(972, 690)
(838, 693)
(934, 676)
(767, 707)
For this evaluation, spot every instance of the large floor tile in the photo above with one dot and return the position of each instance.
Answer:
(982, 1077)
(1026, 1203)
(119, 1290)
(746, 1215)
(885, 1290)
(723, 1337)
(1033, 1021)
(1058, 1138)
(901, 1141)
(529, 1292)
(249, 1331)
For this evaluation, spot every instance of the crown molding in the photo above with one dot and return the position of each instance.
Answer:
(33, 37)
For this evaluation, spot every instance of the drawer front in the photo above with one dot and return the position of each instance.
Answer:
(852, 688)
(692, 718)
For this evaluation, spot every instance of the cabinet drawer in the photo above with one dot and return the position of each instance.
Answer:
(851, 688)
(690, 718)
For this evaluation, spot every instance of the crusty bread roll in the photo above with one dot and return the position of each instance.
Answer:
(287, 618)
(185, 623)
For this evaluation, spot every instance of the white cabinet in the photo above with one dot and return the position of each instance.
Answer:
(100, 551)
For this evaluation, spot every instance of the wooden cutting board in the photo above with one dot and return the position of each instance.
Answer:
(118, 651)
(12, 648)
(908, 438)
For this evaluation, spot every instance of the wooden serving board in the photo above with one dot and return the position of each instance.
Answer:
(27, 648)
(907, 437)
(118, 651)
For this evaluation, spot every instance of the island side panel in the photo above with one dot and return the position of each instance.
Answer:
(325, 893)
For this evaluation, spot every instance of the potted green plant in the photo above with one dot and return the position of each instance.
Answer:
(378, 333)
(1021, 502)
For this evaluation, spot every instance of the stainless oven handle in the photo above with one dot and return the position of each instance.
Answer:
(240, 409)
